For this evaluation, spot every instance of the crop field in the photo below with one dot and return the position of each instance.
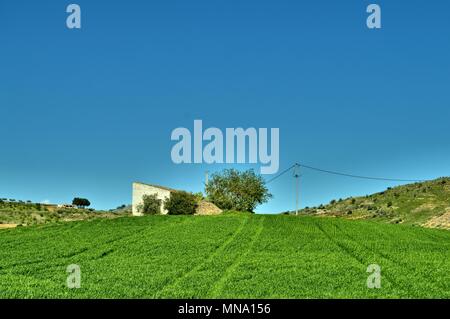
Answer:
(227, 256)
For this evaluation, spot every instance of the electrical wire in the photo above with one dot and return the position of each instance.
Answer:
(342, 174)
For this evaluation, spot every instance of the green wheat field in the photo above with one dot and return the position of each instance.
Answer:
(225, 256)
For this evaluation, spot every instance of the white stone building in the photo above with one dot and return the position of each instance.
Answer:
(141, 189)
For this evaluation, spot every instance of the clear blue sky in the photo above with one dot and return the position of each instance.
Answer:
(86, 112)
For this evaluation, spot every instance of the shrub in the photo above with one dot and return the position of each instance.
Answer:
(151, 205)
(389, 204)
(181, 203)
(333, 201)
(353, 201)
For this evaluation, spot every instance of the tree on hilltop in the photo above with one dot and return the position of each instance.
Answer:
(235, 190)
(81, 202)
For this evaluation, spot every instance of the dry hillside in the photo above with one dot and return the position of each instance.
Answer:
(422, 204)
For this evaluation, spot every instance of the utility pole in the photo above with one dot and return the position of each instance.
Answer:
(296, 175)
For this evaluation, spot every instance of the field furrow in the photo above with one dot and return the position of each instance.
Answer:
(227, 256)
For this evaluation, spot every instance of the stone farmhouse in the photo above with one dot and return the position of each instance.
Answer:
(141, 189)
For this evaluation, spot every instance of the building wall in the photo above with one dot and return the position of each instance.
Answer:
(139, 190)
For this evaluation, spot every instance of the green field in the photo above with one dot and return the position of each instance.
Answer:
(229, 256)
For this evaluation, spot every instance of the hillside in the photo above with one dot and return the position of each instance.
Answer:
(230, 256)
(421, 204)
(20, 213)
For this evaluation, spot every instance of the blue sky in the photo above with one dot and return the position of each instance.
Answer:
(86, 112)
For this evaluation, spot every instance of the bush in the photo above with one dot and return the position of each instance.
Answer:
(181, 203)
(151, 205)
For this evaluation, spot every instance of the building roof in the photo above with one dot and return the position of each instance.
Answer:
(158, 186)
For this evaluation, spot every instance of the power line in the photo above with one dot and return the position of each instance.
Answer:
(281, 174)
(343, 174)
(360, 176)
(296, 166)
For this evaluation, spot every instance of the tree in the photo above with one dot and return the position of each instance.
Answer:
(235, 190)
(81, 202)
(151, 205)
(181, 203)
